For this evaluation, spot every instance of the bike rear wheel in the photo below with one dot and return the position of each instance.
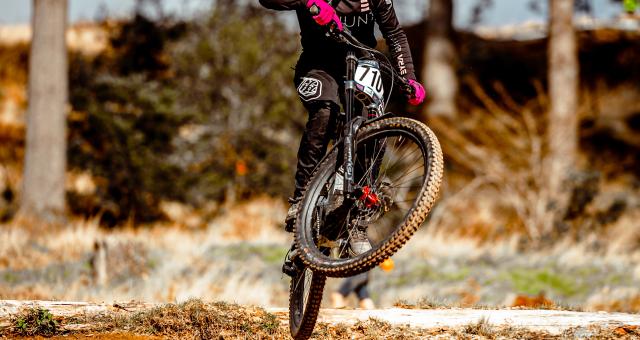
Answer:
(305, 296)
(399, 167)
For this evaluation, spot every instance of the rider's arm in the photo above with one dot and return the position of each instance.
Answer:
(395, 37)
(283, 5)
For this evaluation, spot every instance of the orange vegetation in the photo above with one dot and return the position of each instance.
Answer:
(539, 301)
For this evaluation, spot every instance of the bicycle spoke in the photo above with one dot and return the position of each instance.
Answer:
(398, 148)
(408, 172)
(308, 276)
(373, 161)
(390, 158)
(405, 181)
(393, 164)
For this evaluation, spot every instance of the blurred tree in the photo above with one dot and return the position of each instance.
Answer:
(193, 112)
(45, 157)
(125, 119)
(478, 9)
(563, 94)
(630, 6)
(246, 108)
(440, 60)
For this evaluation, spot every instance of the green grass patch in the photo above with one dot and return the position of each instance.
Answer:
(424, 272)
(270, 254)
(10, 277)
(35, 321)
(534, 281)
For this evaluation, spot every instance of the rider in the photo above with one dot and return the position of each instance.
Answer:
(320, 71)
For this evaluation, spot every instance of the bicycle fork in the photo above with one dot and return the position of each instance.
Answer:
(350, 189)
(351, 126)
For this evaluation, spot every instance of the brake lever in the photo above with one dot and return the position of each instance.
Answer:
(406, 86)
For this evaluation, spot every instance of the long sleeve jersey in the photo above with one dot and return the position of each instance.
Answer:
(360, 17)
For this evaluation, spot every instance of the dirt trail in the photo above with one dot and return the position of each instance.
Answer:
(549, 321)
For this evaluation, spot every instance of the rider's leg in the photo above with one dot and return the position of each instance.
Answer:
(318, 91)
(313, 146)
(316, 137)
(364, 299)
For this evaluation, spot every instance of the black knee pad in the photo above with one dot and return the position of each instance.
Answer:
(325, 111)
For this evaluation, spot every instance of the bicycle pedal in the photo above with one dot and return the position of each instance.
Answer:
(292, 264)
(290, 269)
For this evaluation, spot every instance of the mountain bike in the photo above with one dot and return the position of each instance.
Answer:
(380, 177)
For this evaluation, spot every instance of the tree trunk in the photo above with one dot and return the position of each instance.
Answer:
(45, 158)
(563, 94)
(440, 60)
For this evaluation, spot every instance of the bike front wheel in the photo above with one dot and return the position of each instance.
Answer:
(305, 297)
(398, 171)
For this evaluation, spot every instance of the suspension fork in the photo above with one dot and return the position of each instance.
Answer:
(351, 127)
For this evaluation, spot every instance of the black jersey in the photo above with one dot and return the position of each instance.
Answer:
(360, 17)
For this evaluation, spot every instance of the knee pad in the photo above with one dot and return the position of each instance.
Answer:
(324, 113)
(322, 107)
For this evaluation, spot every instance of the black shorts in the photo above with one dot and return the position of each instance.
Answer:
(319, 80)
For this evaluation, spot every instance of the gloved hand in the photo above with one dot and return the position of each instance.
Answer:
(419, 93)
(327, 13)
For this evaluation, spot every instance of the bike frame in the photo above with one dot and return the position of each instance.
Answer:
(352, 120)
(350, 190)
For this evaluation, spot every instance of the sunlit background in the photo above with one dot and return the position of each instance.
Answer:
(183, 125)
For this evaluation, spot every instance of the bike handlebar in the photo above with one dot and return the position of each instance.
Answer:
(344, 36)
(314, 10)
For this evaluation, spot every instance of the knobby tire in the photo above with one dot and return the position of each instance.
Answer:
(311, 254)
(303, 314)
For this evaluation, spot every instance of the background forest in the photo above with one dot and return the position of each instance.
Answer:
(181, 139)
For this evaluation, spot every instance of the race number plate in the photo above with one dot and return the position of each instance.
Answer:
(369, 77)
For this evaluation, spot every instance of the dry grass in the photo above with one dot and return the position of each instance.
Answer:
(155, 263)
(502, 149)
(622, 299)
(197, 320)
(174, 264)
(192, 319)
(497, 184)
(34, 321)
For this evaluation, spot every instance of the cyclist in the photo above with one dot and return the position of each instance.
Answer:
(359, 286)
(320, 70)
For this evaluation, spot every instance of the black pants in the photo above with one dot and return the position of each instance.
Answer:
(319, 84)
(356, 284)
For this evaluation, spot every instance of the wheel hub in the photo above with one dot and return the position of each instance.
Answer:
(369, 198)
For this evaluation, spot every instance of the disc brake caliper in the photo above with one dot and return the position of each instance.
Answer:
(369, 198)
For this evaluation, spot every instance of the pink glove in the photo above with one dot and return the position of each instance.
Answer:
(327, 13)
(419, 93)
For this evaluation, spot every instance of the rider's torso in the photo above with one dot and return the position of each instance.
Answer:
(356, 15)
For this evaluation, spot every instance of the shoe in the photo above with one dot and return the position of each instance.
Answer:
(367, 304)
(359, 241)
(337, 300)
(290, 265)
(292, 213)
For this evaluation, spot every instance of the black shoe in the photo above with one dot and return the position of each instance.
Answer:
(292, 264)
